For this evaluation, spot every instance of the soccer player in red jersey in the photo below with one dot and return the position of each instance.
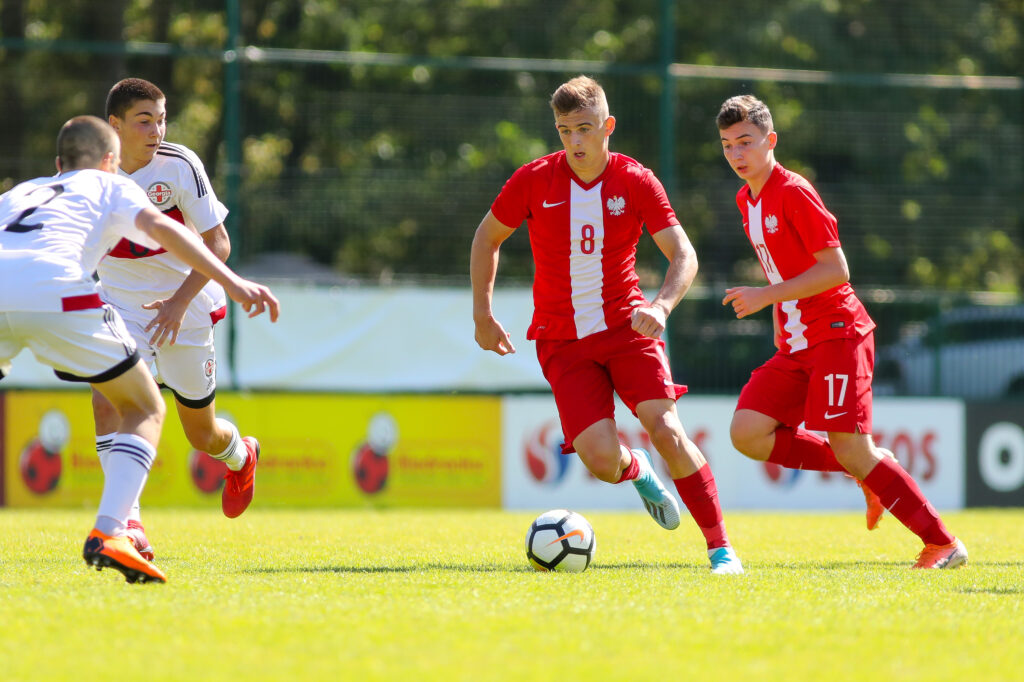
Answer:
(821, 374)
(585, 208)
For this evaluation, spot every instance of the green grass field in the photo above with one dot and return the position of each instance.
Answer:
(443, 595)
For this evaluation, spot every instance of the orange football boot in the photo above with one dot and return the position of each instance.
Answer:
(953, 555)
(118, 552)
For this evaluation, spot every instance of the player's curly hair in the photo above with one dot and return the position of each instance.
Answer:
(127, 92)
(83, 142)
(582, 92)
(745, 108)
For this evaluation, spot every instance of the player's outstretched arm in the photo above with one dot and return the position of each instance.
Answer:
(186, 245)
(483, 268)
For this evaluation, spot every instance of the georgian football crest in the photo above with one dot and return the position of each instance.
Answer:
(159, 193)
(616, 205)
(771, 224)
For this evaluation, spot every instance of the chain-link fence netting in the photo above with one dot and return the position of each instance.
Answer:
(363, 169)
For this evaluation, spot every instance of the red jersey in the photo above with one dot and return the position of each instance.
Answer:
(583, 237)
(786, 225)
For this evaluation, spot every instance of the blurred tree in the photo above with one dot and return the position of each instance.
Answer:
(384, 171)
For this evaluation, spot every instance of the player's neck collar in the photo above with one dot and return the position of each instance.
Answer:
(598, 178)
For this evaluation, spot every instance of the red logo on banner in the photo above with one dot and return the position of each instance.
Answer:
(40, 468)
(207, 473)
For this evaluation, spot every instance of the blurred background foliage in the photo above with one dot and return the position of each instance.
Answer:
(380, 170)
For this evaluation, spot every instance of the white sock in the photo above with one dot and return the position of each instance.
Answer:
(127, 467)
(235, 454)
(103, 444)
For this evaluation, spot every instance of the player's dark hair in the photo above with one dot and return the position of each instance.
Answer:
(127, 92)
(582, 92)
(745, 108)
(83, 142)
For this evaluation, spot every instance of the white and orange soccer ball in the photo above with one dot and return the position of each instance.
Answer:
(560, 540)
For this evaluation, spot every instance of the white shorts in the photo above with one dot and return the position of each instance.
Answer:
(90, 345)
(188, 367)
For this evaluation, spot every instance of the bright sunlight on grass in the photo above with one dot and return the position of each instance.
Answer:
(441, 595)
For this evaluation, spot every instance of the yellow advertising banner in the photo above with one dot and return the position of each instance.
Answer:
(316, 450)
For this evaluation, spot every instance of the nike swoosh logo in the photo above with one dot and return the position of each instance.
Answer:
(545, 204)
(833, 416)
(568, 535)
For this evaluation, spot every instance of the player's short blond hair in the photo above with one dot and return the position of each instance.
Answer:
(745, 108)
(83, 142)
(582, 92)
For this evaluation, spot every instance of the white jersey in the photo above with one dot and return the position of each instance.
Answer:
(55, 230)
(132, 275)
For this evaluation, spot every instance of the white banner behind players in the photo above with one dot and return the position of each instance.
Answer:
(926, 435)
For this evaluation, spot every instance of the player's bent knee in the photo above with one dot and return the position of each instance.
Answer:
(745, 439)
(604, 466)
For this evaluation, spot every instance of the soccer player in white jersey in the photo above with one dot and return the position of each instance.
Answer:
(585, 208)
(169, 309)
(53, 232)
(821, 374)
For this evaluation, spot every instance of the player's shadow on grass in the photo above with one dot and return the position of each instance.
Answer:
(992, 590)
(634, 565)
(834, 565)
(416, 568)
(471, 568)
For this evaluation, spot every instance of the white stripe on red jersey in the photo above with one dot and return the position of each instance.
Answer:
(787, 224)
(586, 248)
(583, 237)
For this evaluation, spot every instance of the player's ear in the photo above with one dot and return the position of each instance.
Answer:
(107, 163)
(609, 126)
(114, 122)
(56, 162)
(773, 139)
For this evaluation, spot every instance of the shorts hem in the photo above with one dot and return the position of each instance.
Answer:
(112, 373)
(194, 403)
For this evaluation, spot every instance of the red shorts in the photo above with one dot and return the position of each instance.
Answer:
(584, 373)
(827, 386)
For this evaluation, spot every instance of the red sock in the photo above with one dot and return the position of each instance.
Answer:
(700, 495)
(802, 449)
(632, 471)
(901, 496)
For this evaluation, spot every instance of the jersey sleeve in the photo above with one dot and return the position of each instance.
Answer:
(198, 202)
(655, 210)
(512, 205)
(127, 201)
(805, 211)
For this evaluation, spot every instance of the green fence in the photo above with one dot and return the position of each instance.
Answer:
(376, 165)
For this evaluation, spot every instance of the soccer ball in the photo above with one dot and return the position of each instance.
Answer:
(560, 540)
